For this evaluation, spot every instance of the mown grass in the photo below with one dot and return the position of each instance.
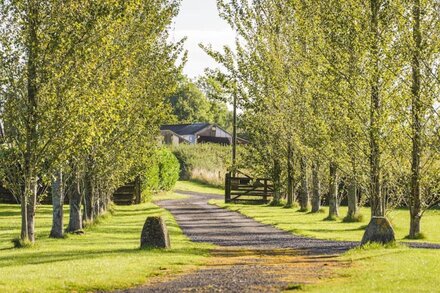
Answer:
(198, 187)
(381, 269)
(373, 268)
(314, 225)
(107, 257)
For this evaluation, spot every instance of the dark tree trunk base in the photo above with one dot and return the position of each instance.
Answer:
(379, 230)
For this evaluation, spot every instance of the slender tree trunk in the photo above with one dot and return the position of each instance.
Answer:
(290, 191)
(57, 204)
(277, 181)
(377, 205)
(75, 218)
(24, 203)
(352, 197)
(29, 194)
(88, 197)
(304, 194)
(333, 192)
(416, 111)
(31, 209)
(316, 195)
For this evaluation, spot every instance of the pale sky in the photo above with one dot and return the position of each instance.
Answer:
(199, 21)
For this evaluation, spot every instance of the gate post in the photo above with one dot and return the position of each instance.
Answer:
(228, 187)
(265, 190)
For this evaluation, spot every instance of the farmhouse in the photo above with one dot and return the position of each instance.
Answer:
(196, 133)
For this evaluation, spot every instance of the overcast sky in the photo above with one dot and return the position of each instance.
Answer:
(199, 21)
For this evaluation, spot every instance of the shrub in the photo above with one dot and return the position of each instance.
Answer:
(161, 174)
(169, 168)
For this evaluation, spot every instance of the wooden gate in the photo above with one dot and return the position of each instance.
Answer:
(255, 189)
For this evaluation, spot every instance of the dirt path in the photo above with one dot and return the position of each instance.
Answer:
(252, 257)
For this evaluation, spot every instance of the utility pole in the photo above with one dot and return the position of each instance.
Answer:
(234, 137)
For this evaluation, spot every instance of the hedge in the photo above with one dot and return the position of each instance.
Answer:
(161, 174)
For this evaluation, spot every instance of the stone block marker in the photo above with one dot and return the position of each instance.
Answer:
(155, 234)
(379, 230)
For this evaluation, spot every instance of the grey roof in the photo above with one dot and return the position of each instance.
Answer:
(185, 129)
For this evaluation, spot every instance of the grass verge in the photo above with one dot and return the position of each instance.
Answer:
(314, 224)
(106, 258)
(373, 268)
(378, 269)
(198, 187)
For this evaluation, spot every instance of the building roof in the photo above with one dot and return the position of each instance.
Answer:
(185, 129)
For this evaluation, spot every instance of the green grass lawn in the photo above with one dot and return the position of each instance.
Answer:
(107, 257)
(313, 225)
(198, 187)
(374, 269)
(385, 270)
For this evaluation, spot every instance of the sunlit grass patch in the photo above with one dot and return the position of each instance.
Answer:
(198, 187)
(106, 257)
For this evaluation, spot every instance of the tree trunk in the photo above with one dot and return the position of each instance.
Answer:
(57, 204)
(316, 196)
(333, 192)
(377, 205)
(417, 114)
(277, 182)
(138, 195)
(75, 219)
(88, 197)
(29, 198)
(352, 198)
(290, 191)
(304, 194)
(31, 209)
(24, 203)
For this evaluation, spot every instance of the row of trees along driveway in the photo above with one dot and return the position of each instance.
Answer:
(347, 89)
(82, 88)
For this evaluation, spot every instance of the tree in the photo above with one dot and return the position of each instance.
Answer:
(73, 84)
(421, 37)
(194, 102)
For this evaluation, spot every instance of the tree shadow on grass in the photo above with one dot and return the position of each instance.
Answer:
(35, 257)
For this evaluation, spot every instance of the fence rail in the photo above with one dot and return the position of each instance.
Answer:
(253, 188)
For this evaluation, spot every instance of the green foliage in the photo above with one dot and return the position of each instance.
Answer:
(206, 163)
(169, 169)
(160, 174)
(191, 104)
(346, 83)
(83, 88)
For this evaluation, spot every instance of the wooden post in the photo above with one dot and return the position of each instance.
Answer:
(137, 190)
(265, 190)
(234, 137)
(228, 187)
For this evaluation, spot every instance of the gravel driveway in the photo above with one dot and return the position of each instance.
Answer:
(252, 257)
